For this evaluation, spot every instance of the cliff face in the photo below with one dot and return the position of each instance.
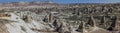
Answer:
(60, 18)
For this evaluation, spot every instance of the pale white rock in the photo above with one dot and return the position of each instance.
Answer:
(35, 25)
(17, 26)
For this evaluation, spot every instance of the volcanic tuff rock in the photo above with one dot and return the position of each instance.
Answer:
(37, 17)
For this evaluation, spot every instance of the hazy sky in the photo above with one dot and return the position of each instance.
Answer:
(68, 1)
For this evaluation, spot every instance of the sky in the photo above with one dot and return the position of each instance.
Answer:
(67, 1)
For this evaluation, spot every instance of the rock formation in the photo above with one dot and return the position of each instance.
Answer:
(115, 24)
(102, 22)
(61, 18)
(56, 24)
(45, 19)
(28, 18)
(81, 27)
(62, 28)
(91, 21)
(5, 16)
(50, 18)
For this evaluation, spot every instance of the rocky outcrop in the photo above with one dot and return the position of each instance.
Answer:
(63, 28)
(102, 22)
(45, 19)
(56, 24)
(115, 24)
(91, 22)
(28, 18)
(50, 17)
(81, 27)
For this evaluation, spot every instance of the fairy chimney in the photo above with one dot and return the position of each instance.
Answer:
(81, 27)
(45, 19)
(50, 17)
(91, 21)
(102, 22)
(56, 24)
(62, 28)
(115, 24)
(28, 18)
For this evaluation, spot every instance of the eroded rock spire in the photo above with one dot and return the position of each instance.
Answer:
(114, 25)
(56, 23)
(81, 27)
(28, 18)
(63, 28)
(50, 17)
(91, 22)
(102, 20)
